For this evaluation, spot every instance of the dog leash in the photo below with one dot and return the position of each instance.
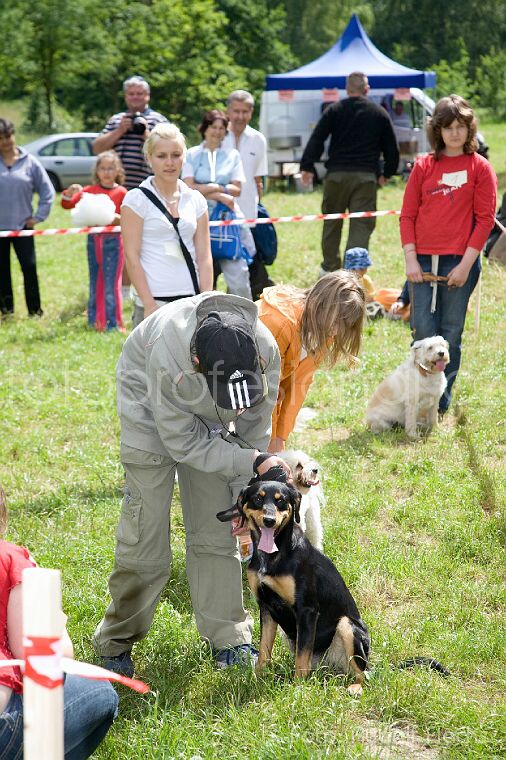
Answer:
(435, 280)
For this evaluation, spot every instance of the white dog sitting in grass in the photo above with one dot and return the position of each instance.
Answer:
(307, 482)
(410, 395)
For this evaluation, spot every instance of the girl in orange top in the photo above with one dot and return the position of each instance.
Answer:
(312, 327)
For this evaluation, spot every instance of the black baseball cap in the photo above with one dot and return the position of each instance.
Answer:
(228, 358)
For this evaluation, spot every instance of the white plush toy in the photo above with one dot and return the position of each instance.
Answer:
(93, 211)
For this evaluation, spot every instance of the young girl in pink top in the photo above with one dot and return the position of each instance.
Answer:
(89, 706)
(447, 214)
(105, 249)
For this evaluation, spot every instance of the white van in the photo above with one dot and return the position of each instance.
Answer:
(288, 119)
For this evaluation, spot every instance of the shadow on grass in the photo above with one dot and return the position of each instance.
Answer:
(365, 443)
(71, 311)
(488, 500)
(53, 502)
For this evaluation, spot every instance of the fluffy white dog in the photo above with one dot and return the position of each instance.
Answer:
(306, 480)
(409, 396)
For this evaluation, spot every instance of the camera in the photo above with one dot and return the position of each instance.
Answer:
(138, 123)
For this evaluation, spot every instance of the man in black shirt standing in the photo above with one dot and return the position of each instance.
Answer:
(360, 132)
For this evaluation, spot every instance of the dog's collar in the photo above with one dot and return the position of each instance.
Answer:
(424, 371)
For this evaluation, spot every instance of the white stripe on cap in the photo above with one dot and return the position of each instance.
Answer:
(238, 388)
(239, 394)
(247, 402)
(230, 387)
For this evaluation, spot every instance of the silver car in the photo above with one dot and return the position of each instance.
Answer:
(67, 157)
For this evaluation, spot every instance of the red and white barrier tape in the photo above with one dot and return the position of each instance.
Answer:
(44, 665)
(217, 223)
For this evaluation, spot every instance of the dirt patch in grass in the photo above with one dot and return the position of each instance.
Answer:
(314, 438)
(380, 593)
(400, 741)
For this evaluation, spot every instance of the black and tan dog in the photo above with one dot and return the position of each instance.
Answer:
(298, 588)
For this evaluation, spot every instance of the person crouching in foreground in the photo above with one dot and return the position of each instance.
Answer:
(197, 382)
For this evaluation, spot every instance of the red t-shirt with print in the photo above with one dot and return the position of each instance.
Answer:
(449, 204)
(13, 560)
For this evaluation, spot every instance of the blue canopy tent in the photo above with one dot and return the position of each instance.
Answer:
(353, 51)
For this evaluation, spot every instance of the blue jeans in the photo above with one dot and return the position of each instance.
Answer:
(89, 710)
(450, 316)
(105, 268)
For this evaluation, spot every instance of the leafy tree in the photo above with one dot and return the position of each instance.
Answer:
(313, 26)
(43, 34)
(454, 77)
(254, 34)
(491, 76)
(429, 31)
(182, 47)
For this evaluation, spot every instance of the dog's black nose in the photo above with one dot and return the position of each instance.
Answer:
(315, 471)
(269, 522)
(441, 353)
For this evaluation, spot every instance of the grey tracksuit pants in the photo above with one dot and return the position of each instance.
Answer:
(143, 555)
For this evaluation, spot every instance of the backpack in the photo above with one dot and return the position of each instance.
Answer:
(226, 242)
(265, 237)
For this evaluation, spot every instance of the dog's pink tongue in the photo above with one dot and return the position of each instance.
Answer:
(266, 543)
(440, 365)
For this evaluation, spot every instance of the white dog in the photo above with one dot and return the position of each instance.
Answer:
(306, 481)
(410, 395)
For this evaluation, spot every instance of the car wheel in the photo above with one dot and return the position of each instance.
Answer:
(54, 181)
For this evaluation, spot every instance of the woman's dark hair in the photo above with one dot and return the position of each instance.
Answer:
(7, 128)
(446, 111)
(211, 116)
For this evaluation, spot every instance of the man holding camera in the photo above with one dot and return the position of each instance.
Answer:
(126, 132)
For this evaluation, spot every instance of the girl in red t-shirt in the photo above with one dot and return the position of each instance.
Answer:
(447, 214)
(105, 249)
(89, 706)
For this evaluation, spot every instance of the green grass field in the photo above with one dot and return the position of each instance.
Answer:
(417, 530)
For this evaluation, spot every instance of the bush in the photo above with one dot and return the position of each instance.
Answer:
(491, 83)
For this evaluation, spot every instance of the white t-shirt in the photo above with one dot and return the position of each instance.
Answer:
(252, 148)
(161, 256)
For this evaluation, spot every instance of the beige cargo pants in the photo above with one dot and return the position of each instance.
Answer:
(143, 555)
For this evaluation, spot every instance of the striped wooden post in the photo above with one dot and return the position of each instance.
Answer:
(43, 677)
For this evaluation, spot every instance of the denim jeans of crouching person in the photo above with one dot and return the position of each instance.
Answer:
(89, 710)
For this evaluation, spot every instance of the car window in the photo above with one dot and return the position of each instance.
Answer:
(70, 146)
(48, 150)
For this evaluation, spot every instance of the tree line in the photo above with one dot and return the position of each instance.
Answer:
(76, 53)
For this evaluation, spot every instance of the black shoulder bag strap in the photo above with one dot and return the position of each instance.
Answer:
(186, 253)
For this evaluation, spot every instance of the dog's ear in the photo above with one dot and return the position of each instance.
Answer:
(416, 345)
(296, 498)
(236, 511)
(228, 514)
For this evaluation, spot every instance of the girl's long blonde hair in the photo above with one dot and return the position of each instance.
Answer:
(332, 318)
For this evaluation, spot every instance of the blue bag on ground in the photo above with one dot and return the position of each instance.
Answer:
(226, 242)
(266, 239)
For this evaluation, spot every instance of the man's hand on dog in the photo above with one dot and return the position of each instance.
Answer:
(267, 462)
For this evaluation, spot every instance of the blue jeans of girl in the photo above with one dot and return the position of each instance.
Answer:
(105, 264)
(449, 317)
(89, 710)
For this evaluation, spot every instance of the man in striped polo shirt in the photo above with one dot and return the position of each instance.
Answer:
(119, 135)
